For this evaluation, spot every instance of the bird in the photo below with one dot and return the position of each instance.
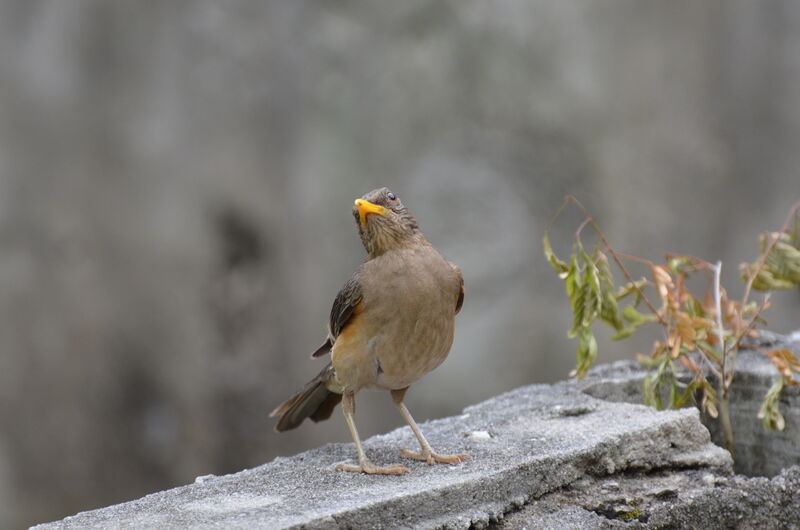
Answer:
(391, 323)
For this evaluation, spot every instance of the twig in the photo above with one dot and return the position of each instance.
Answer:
(724, 381)
(631, 257)
(582, 226)
(752, 322)
(710, 365)
(718, 306)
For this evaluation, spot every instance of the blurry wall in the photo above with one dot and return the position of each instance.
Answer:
(176, 181)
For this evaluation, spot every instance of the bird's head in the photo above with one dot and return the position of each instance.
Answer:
(383, 222)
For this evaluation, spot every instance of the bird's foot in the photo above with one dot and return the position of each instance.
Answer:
(431, 458)
(371, 469)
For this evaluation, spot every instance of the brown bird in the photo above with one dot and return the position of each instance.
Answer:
(390, 324)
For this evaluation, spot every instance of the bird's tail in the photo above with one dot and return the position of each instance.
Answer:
(315, 401)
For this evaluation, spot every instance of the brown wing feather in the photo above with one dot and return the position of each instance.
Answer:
(344, 306)
(460, 300)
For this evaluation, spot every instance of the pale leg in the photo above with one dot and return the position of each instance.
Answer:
(364, 465)
(426, 454)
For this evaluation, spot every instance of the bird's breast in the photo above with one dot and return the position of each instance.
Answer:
(412, 310)
(405, 325)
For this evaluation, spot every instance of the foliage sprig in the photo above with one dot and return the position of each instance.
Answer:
(702, 334)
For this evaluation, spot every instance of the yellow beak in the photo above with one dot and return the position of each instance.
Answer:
(365, 208)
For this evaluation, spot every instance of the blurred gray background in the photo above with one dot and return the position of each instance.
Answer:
(176, 181)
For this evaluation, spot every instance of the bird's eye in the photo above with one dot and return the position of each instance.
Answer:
(391, 196)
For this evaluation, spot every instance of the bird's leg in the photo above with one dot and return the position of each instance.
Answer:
(364, 465)
(426, 454)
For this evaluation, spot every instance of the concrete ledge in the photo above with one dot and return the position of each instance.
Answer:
(685, 499)
(542, 457)
(540, 439)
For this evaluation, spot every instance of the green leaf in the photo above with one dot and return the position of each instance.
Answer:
(687, 397)
(770, 413)
(572, 281)
(677, 264)
(652, 390)
(674, 396)
(789, 261)
(694, 307)
(609, 310)
(587, 352)
(584, 292)
(648, 392)
(663, 379)
(781, 268)
(591, 281)
(632, 287)
(624, 333)
(589, 301)
(635, 319)
(559, 266)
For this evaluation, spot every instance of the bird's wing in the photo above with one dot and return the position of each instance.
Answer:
(460, 276)
(344, 305)
(325, 348)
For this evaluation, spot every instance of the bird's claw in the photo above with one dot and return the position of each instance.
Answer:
(371, 469)
(431, 458)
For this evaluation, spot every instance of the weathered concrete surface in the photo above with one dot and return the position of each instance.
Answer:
(685, 499)
(540, 440)
(571, 455)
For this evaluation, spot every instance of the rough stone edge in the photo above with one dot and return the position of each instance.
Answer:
(622, 374)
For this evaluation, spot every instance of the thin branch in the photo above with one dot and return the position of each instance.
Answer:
(724, 381)
(631, 257)
(555, 215)
(720, 328)
(582, 226)
(752, 322)
(707, 362)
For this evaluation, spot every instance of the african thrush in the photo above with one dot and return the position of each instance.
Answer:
(390, 324)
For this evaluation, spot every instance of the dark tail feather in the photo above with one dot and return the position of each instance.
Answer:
(315, 401)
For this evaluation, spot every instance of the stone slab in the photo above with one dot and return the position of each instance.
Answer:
(524, 444)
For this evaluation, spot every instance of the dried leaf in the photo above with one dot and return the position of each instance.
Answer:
(786, 363)
(662, 280)
(686, 331)
(709, 401)
(676, 347)
(689, 364)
